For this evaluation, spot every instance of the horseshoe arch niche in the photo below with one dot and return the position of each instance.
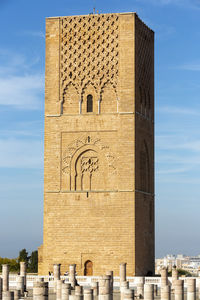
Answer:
(88, 169)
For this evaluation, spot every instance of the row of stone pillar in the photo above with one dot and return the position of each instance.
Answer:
(178, 286)
(40, 290)
(63, 291)
(5, 294)
(5, 275)
(104, 288)
(72, 275)
(101, 288)
(148, 291)
(125, 292)
(10, 295)
(164, 276)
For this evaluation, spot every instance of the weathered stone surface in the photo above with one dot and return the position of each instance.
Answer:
(191, 289)
(148, 292)
(166, 292)
(5, 277)
(99, 156)
(179, 289)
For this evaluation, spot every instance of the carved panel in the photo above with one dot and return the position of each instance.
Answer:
(89, 51)
(144, 68)
(87, 164)
(70, 100)
(108, 98)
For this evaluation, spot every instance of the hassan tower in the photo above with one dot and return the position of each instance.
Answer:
(99, 145)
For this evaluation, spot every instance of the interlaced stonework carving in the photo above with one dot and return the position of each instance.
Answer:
(89, 52)
(89, 164)
(144, 68)
(82, 159)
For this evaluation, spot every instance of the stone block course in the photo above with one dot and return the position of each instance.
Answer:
(99, 164)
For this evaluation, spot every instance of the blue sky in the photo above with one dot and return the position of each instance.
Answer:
(177, 97)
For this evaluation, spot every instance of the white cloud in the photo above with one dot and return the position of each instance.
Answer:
(189, 180)
(194, 4)
(162, 31)
(23, 92)
(39, 34)
(172, 171)
(11, 63)
(19, 153)
(177, 159)
(178, 110)
(177, 142)
(193, 146)
(166, 2)
(20, 87)
(190, 67)
(160, 2)
(20, 133)
(23, 129)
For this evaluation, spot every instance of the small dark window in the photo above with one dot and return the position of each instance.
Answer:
(89, 103)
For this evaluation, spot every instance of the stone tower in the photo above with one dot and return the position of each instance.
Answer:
(99, 145)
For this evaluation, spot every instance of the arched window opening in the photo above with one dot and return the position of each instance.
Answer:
(88, 268)
(89, 103)
(86, 171)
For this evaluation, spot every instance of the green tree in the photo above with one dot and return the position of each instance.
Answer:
(33, 262)
(184, 272)
(12, 262)
(181, 272)
(23, 256)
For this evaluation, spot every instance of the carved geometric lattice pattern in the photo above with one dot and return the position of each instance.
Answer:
(144, 67)
(89, 51)
(144, 54)
(89, 164)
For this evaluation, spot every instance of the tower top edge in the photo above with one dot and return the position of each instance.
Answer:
(102, 14)
(92, 14)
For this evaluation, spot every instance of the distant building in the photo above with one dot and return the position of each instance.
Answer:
(187, 263)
